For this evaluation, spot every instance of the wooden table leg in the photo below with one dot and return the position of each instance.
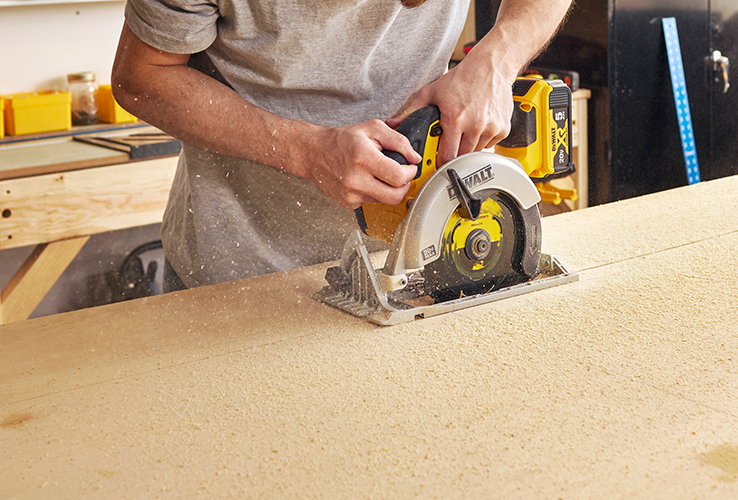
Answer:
(30, 284)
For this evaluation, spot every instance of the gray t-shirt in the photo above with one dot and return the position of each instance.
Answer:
(329, 62)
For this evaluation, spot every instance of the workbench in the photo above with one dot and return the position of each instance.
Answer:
(623, 384)
(55, 192)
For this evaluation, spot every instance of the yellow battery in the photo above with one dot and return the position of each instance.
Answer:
(35, 112)
(2, 117)
(540, 136)
(109, 111)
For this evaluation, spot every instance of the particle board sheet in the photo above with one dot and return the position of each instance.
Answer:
(621, 385)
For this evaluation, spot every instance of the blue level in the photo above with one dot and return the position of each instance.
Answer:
(679, 86)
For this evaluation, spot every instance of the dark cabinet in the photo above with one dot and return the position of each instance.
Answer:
(618, 48)
(645, 148)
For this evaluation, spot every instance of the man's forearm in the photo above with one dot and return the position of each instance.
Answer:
(475, 96)
(522, 30)
(346, 163)
(202, 112)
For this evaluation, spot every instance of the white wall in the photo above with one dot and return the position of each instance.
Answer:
(40, 44)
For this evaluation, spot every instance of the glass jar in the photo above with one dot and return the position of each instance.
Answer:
(83, 88)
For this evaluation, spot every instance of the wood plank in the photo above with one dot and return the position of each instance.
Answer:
(25, 157)
(58, 156)
(622, 385)
(30, 284)
(58, 206)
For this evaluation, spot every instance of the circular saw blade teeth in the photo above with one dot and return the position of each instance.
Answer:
(476, 255)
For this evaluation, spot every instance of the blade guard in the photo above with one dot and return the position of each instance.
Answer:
(418, 239)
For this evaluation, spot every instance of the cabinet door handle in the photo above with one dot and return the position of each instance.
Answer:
(721, 69)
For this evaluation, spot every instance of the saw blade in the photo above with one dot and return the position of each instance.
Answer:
(477, 256)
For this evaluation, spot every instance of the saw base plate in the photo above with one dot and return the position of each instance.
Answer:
(354, 288)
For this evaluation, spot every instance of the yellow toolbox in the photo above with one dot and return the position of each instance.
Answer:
(35, 112)
(109, 111)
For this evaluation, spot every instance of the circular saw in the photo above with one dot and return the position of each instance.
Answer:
(466, 233)
(474, 227)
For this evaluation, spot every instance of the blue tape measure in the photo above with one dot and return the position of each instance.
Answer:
(679, 86)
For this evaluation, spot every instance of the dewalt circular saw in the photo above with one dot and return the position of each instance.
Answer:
(466, 233)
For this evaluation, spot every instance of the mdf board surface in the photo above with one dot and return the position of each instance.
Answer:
(621, 385)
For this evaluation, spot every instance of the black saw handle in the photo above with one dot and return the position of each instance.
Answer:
(422, 128)
(418, 127)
